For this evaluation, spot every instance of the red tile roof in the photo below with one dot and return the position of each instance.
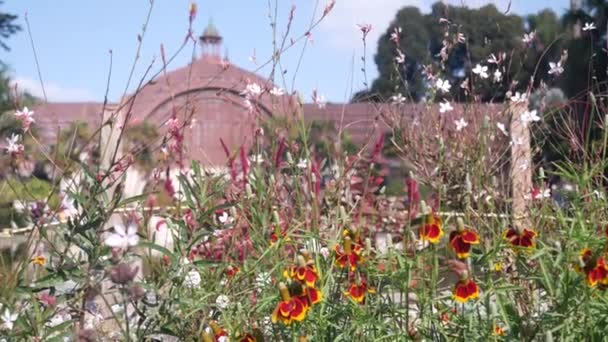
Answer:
(213, 95)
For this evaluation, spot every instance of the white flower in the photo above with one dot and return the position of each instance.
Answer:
(422, 244)
(302, 164)
(123, 238)
(57, 319)
(461, 38)
(8, 319)
(492, 59)
(502, 128)
(524, 165)
(516, 141)
(258, 158)
(460, 124)
(192, 279)
(222, 339)
(398, 99)
(529, 37)
(529, 116)
(222, 302)
(556, 68)
(445, 107)
(546, 193)
(395, 35)
(443, 85)
(92, 320)
(13, 146)
(480, 70)
(223, 218)
(318, 99)
(497, 76)
(248, 105)
(324, 251)
(589, 26)
(252, 90)
(599, 195)
(518, 98)
(400, 59)
(262, 280)
(26, 117)
(173, 123)
(276, 91)
(67, 207)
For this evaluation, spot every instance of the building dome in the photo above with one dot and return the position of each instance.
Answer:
(211, 34)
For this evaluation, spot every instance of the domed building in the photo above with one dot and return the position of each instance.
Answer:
(208, 96)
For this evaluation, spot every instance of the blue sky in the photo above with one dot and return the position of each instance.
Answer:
(73, 39)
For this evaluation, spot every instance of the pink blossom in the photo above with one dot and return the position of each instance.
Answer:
(395, 35)
(365, 29)
(26, 117)
(14, 147)
(329, 7)
(47, 300)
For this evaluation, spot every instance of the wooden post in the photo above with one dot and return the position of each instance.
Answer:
(521, 165)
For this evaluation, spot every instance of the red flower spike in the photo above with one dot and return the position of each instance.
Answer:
(523, 238)
(466, 289)
(289, 309)
(244, 165)
(431, 230)
(278, 158)
(413, 195)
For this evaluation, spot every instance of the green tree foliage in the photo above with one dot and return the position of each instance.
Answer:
(139, 141)
(487, 31)
(7, 27)
(72, 143)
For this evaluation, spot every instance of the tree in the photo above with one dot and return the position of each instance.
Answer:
(414, 44)
(7, 27)
(425, 38)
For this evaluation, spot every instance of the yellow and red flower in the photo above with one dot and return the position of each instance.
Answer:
(595, 269)
(310, 296)
(461, 241)
(289, 308)
(355, 236)
(523, 238)
(39, 260)
(248, 338)
(466, 289)
(279, 233)
(350, 255)
(304, 272)
(217, 330)
(358, 290)
(498, 331)
(231, 271)
(431, 229)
